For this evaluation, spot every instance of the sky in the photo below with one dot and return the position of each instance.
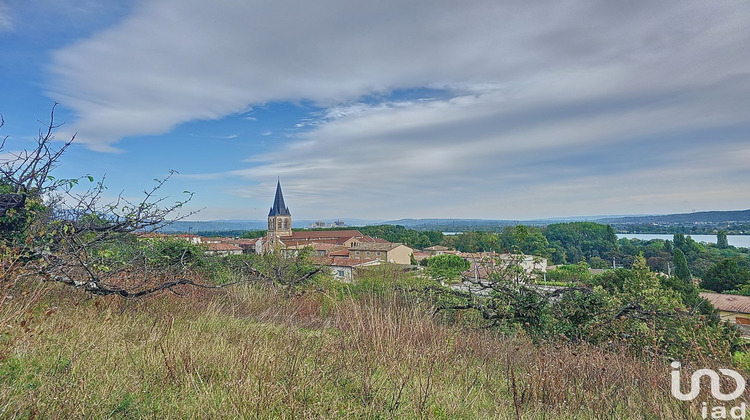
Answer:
(391, 109)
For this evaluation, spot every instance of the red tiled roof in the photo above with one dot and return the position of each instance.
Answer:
(341, 261)
(728, 303)
(323, 234)
(238, 241)
(151, 235)
(343, 252)
(436, 248)
(376, 246)
(290, 243)
(223, 247)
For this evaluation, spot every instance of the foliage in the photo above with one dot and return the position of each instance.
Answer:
(578, 241)
(721, 239)
(529, 240)
(170, 252)
(570, 273)
(289, 272)
(630, 306)
(66, 234)
(474, 242)
(445, 267)
(700, 258)
(727, 274)
(254, 234)
(681, 269)
(251, 352)
(399, 234)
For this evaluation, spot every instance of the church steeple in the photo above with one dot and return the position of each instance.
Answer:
(279, 208)
(279, 218)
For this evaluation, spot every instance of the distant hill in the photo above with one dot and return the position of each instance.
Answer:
(208, 226)
(462, 225)
(684, 218)
(183, 226)
(457, 225)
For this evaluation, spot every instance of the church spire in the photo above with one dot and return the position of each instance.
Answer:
(279, 208)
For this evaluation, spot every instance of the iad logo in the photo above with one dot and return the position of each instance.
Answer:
(695, 383)
(718, 412)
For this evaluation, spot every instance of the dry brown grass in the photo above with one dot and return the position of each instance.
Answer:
(250, 352)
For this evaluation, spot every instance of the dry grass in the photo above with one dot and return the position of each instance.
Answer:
(249, 352)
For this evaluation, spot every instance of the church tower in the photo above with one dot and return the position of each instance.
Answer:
(279, 218)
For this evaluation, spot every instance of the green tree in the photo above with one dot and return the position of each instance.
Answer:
(446, 266)
(721, 239)
(527, 239)
(681, 269)
(581, 240)
(679, 241)
(571, 273)
(728, 274)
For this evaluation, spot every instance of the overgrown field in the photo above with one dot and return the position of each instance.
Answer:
(251, 352)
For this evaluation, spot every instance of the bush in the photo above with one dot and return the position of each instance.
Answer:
(445, 267)
(571, 273)
(728, 274)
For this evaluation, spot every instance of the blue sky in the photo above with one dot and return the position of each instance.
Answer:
(392, 109)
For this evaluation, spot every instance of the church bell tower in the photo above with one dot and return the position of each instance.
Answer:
(279, 218)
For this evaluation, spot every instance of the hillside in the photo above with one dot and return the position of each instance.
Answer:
(251, 352)
(684, 218)
(463, 225)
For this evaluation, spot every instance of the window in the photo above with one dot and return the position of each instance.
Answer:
(341, 273)
(279, 224)
(286, 224)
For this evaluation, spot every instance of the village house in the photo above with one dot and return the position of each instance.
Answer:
(219, 248)
(419, 256)
(436, 250)
(336, 245)
(343, 268)
(732, 308)
(193, 239)
(389, 252)
(487, 264)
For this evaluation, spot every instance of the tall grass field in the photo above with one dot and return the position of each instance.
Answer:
(328, 352)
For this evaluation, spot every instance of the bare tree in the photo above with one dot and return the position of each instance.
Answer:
(69, 237)
(53, 229)
(27, 173)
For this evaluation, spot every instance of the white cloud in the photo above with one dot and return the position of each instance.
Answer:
(471, 157)
(6, 23)
(566, 101)
(174, 61)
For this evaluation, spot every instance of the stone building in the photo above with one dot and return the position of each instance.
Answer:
(349, 243)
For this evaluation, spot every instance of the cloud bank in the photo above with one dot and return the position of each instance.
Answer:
(578, 102)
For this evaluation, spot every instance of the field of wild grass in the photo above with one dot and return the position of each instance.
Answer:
(251, 352)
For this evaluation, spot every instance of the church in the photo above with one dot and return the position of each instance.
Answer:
(345, 247)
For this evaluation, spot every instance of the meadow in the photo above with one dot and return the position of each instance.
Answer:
(329, 351)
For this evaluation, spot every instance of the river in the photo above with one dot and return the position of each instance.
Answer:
(740, 241)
